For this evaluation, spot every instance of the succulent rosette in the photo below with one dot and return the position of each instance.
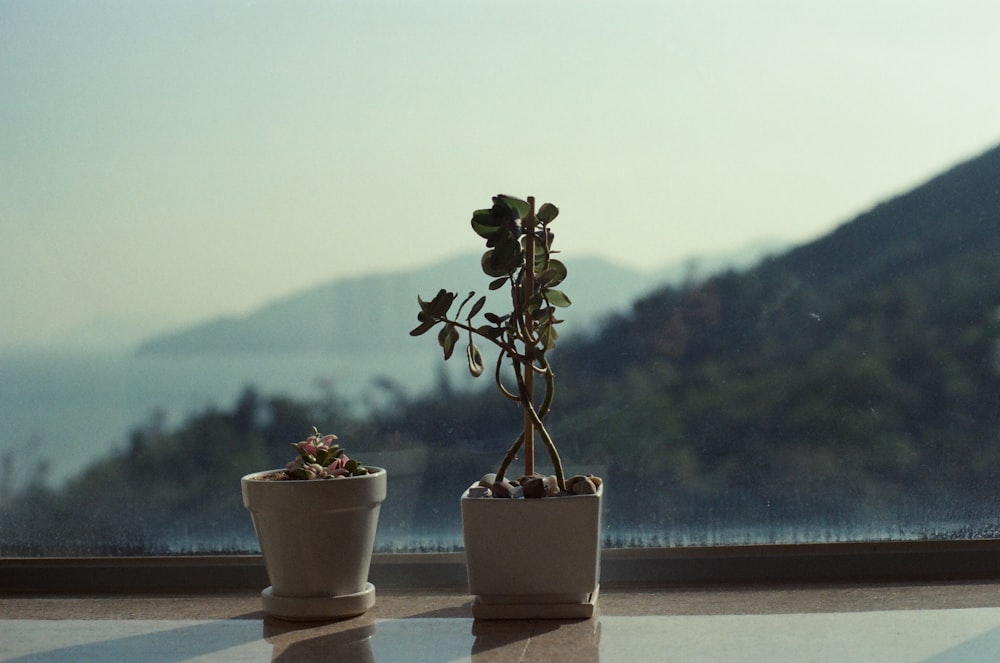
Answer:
(321, 458)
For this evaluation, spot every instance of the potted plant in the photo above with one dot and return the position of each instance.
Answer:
(315, 521)
(526, 556)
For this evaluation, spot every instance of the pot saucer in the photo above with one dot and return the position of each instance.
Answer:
(508, 608)
(318, 608)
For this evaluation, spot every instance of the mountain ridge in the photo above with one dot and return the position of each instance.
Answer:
(967, 194)
(374, 311)
(370, 312)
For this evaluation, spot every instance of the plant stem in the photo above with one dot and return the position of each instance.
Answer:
(536, 416)
(527, 289)
(550, 446)
(509, 458)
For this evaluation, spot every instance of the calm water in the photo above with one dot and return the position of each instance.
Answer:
(65, 410)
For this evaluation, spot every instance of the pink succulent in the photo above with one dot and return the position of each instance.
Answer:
(320, 458)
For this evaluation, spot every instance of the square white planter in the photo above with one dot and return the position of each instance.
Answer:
(533, 558)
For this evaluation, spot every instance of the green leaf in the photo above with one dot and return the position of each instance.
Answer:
(540, 257)
(447, 338)
(425, 325)
(507, 256)
(489, 332)
(485, 224)
(475, 359)
(521, 207)
(557, 298)
(437, 307)
(477, 307)
(548, 335)
(552, 275)
(487, 263)
(547, 213)
(541, 314)
(465, 301)
(502, 260)
(496, 284)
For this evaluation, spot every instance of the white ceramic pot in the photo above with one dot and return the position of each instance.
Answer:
(533, 558)
(316, 537)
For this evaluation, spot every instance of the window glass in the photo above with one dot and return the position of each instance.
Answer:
(780, 221)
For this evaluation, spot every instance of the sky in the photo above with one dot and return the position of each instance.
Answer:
(166, 162)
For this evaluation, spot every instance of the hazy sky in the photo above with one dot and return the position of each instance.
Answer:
(164, 162)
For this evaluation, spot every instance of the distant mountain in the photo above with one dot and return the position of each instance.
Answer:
(705, 265)
(374, 313)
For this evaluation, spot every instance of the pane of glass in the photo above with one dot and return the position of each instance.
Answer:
(780, 222)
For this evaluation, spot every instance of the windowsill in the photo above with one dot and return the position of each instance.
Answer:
(883, 622)
(875, 601)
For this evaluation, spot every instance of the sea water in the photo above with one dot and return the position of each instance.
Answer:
(60, 411)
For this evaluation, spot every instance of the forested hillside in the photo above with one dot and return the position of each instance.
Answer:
(847, 389)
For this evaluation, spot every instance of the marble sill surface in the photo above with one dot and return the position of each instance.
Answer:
(931, 623)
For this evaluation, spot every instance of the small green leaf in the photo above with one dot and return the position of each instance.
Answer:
(447, 338)
(489, 332)
(553, 275)
(438, 306)
(477, 307)
(501, 260)
(548, 335)
(465, 301)
(496, 284)
(519, 206)
(485, 224)
(475, 359)
(540, 257)
(426, 325)
(547, 213)
(541, 314)
(557, 298)
(486, 262)
(507, 256)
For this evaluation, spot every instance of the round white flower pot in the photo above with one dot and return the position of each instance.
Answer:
(316, 537)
